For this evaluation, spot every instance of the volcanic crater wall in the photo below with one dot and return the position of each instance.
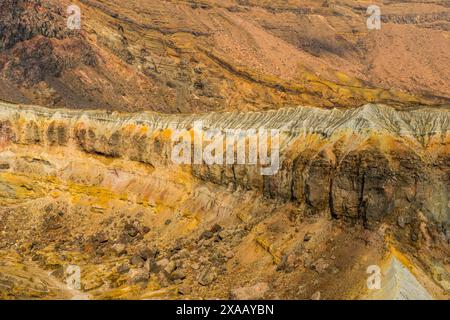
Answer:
(364, 164)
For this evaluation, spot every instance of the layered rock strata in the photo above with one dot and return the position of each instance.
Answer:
(362, 164)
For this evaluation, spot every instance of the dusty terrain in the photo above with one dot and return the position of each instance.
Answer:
(184, 56)
(87, 180)
(99, 191)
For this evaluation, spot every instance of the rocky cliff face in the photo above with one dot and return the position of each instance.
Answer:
(363, 164)
(89, 184)
(181, 57)
(361, 180)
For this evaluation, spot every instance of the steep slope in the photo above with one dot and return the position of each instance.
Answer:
(100, 190)
(177, 56)
(356, 177)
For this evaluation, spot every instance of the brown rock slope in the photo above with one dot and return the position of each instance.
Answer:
(184, 56)
(99, 190)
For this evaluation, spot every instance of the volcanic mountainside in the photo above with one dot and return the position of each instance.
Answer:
(197, 56)
(88, 180)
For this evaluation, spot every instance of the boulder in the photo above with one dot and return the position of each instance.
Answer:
(255, 292)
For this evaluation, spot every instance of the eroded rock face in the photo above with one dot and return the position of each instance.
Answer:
(24, 19)
(362, 165)
(238, 55)
(99, 190)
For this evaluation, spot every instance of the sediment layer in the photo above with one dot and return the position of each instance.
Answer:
(362, 164)
(99, 190)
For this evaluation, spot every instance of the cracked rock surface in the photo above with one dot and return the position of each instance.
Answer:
(99, 190)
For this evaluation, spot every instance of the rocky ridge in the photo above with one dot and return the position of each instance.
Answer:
(182, 57)
(360, 163)
(99, 190)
